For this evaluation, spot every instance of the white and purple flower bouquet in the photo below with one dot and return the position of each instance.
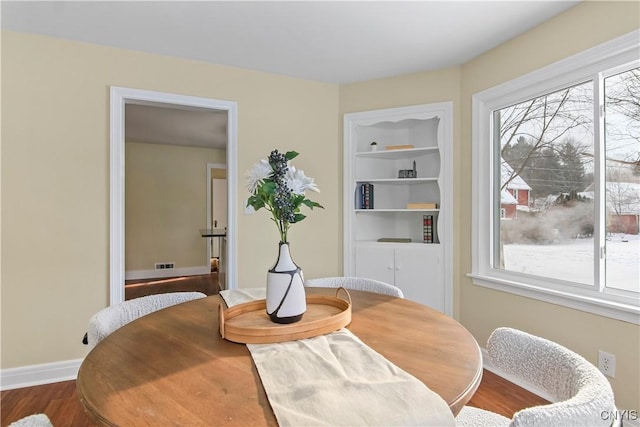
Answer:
(280, 188)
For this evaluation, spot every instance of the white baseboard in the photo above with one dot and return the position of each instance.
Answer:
(174, 272)
(47, 373)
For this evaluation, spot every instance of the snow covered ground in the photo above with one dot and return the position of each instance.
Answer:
(573, 260)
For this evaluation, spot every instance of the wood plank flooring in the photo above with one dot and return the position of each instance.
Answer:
(205, 283)
(60, 401)
(498, 395)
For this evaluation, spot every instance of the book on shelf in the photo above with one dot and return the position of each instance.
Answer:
(366, 196)
(427, 228)
(422, 206)
(399, 147)
(395, 239)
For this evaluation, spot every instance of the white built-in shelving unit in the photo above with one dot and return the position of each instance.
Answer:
(422, 270)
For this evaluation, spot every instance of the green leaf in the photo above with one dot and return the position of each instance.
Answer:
(311, 204)
(267, 187)
(299, 217)
(291, 155)
(255, 202)
(296, 201)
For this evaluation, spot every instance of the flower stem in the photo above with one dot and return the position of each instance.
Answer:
(283, 227)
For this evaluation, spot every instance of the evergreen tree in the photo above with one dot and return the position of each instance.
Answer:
(548, 169)
(573, 175)
(545, 172)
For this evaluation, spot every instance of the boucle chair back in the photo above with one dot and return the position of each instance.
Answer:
(356, 283)
(582, 392)
(36, 420)
(111, 318)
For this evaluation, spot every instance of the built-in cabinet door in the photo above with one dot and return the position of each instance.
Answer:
(418, 274)
(375, 263)
(414, 269)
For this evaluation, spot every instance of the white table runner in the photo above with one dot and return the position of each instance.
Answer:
(337, 380)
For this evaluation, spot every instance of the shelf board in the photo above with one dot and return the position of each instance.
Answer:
(398, 181)
(375, 242)
(395, 210)
(397, 154)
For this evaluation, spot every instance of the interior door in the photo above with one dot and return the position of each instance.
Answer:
(218, 209)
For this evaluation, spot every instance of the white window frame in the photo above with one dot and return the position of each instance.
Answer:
(585, 66)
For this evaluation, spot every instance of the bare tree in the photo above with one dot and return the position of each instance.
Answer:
(622, 195)
(622, 109)
(547, 122)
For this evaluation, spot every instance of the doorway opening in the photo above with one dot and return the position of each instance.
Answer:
(122, 98)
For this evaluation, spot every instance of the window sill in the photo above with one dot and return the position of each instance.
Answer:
(602, 307)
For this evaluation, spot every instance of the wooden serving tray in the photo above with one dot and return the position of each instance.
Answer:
(248, 323)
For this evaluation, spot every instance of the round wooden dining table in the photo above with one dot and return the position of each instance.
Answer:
(172, 367)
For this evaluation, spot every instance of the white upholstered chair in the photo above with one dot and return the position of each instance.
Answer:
(36, 420)
(111, 318)
(580, 391)
(356, 283)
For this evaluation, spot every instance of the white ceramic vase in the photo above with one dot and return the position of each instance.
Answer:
(286, 299)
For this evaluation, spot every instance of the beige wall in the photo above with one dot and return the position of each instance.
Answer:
(166, 204)
(52, 85)
(55, 178)
(481, 309)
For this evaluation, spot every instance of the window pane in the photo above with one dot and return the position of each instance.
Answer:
(622, 147)
(546, 186)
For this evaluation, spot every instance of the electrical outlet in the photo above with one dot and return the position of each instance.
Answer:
(607, 363)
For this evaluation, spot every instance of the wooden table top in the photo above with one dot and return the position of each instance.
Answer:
(173, 368)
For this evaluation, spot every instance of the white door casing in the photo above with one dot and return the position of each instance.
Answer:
(119, 97)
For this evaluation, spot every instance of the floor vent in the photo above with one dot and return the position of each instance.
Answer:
(165, 265)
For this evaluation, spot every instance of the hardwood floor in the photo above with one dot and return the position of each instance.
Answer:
(206, 283)
(498, 395)
(60, 401)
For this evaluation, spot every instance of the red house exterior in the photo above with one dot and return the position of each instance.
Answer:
(515, 196)
(623, 206)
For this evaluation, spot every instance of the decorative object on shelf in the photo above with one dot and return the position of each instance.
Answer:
(408, 173)
(394, 240)
(280, 188)
(399, 147)
(373, 146)
(422, 206)
(427, 228)
(365, 190)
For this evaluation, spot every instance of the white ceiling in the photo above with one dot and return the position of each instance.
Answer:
(191, 127)
(330, 41)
